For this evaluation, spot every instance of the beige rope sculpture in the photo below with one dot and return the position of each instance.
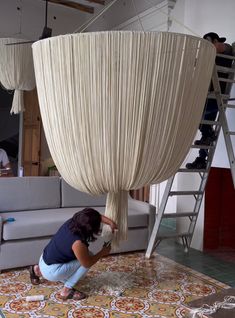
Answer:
(120, 109)
(16, 70)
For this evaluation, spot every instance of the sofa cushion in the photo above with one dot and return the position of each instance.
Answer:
(29, 193)
(35, 223)
(72, 197)
(41, 223)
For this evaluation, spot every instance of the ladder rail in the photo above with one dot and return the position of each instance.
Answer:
(204, 180)
(224, 123)
(155, 230)
(198, 195)
(222, 101)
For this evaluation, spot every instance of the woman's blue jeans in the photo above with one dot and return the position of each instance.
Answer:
(68, 273)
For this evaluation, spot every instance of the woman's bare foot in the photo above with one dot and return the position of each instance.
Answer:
(66, 292)
(34, 278)
(70, 293)
(37, 270)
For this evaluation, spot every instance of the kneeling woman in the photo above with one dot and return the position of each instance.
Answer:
(67, 258)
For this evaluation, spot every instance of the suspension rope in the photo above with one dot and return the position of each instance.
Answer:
(85, 25)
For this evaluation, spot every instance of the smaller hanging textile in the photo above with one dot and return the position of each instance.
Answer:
(120, 109)
(16, 70)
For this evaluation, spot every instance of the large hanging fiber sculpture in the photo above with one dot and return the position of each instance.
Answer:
(16, 70)
(120, 109)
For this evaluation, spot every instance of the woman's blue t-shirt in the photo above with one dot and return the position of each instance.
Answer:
(59, 249)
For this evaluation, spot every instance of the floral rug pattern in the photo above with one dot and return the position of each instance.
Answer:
(120, 286)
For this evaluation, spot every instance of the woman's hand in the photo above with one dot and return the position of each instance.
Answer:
(109, 222)
(113, 226)
(85, 258)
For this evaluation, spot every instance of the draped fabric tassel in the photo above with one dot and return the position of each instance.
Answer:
(18, 102)
(116, 209)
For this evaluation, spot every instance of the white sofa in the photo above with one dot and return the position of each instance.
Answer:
(40, 205)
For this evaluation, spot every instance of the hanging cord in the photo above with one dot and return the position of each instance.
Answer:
(143, 15)
(173, 19)
(46, 13)
(19, 8)
(85, 25)
(20, 29)
(139, 19)
(19, 32)
(169, 21)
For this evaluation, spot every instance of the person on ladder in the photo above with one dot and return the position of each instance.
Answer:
(211, 108)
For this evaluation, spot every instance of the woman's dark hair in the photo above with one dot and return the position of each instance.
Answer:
(86, 223)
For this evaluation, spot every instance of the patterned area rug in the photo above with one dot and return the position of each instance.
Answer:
(120, 286)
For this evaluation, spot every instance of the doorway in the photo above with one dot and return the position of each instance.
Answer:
(9, 129)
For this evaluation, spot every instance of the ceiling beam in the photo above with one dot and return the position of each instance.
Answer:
(74, 5)
(97, 1)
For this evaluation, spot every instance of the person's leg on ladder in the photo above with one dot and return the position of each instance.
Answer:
(208, 136)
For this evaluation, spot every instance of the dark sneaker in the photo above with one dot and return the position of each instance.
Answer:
(205, 141)
(198, 163)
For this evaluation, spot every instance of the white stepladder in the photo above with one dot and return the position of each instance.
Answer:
(159, 232)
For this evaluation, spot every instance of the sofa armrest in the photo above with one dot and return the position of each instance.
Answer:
(144, 207)
(1, 226)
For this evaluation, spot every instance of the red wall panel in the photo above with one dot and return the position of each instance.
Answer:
(219, 226)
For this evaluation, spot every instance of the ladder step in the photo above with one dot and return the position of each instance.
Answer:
(224, 69)
(224, 96)
(229, 57)
(212, 96)
(210, 122)
(229, 105)
(192, 192)
(231, 132)
(192, 170)
(178, 215)
(172, 235)
(226, 80)
(202, 146)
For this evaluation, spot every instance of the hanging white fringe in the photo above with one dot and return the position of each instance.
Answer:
(228, 303)
(120, 109)
(16, 70)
